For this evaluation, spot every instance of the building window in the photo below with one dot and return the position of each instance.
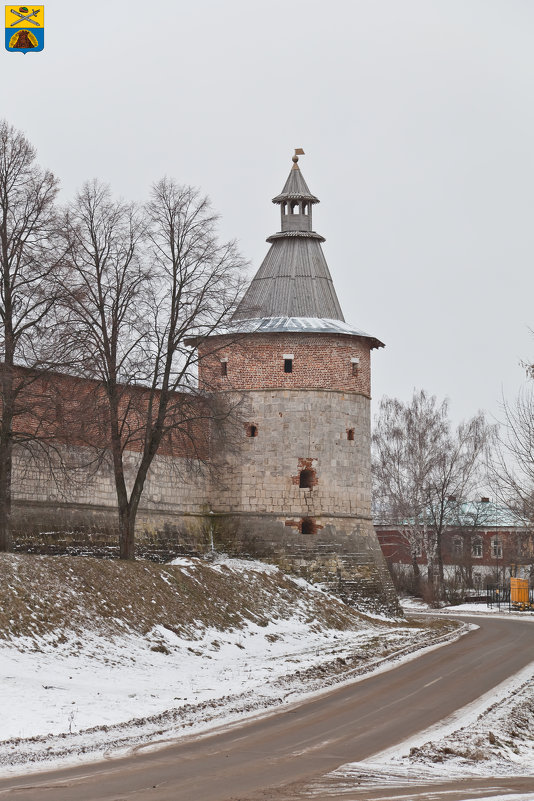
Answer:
(355, 365)
(308, 526)
(417, 549)
(306, 478)
(224, 367)
(476, 548)
(251, 430)
(288, 362)
(496, 548)
(350, 434)
(458, 546)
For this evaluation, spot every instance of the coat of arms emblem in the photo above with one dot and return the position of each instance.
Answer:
(24, 29)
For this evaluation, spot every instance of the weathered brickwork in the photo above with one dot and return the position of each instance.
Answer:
(80, 493)
(298, 430)
(342, 554)
(322, 531)
(257, 362)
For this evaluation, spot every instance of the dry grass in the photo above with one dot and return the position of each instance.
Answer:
(62, 595)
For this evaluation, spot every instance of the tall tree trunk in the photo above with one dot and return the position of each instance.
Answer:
(126, 534)
(439, 554)
(6, 446)
(416, 573)
(6, 450)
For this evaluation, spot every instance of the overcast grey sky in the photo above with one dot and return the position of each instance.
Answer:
(417, 119)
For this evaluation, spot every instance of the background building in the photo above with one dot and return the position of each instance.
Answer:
(482, 543)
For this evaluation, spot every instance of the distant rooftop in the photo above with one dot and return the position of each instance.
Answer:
(468, 514)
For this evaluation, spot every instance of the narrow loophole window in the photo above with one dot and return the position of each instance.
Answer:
(308, 526)
(288, 365)
(224, 368)
(252, 430)
(355, 367)
(306, 479)
(350, 434)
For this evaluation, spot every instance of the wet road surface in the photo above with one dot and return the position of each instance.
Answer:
(280, 755)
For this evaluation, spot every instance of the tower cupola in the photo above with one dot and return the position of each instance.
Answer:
(296, 201)
(294, 280)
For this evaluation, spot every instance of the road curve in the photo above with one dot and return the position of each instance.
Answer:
(259, 758)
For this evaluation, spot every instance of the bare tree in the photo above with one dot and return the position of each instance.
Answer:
(29, 265)
(144, 282)
(465, 520)
(422, 469)
(512, 463)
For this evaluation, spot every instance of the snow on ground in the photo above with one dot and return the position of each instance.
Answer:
(86, 692)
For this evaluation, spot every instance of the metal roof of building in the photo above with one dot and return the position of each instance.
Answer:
(293, 289)
(295, 187)
(294, 279)
(482, 514)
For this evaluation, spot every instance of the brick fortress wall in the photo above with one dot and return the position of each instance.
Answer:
(63, 490)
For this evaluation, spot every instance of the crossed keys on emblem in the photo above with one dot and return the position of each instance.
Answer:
(23, 18)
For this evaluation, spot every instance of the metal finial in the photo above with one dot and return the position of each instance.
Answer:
(298, 152)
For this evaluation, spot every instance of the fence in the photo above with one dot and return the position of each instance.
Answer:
(510, 599)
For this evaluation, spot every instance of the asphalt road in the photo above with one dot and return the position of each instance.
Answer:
(266, 758)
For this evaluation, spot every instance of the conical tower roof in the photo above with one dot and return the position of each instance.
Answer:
(293, 289)
(295, 186)
(294, 279)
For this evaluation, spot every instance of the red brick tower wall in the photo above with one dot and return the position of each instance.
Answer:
(320, 361)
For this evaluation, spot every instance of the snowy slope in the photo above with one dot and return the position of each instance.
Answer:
(96, 655)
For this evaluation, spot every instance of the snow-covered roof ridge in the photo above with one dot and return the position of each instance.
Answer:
(312, 325)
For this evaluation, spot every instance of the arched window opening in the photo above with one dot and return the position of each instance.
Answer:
(350, 434)
(251, 430)
(306, 478)
(305, 208)
(308, 526)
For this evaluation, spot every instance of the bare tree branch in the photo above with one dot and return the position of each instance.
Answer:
(144, 282)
